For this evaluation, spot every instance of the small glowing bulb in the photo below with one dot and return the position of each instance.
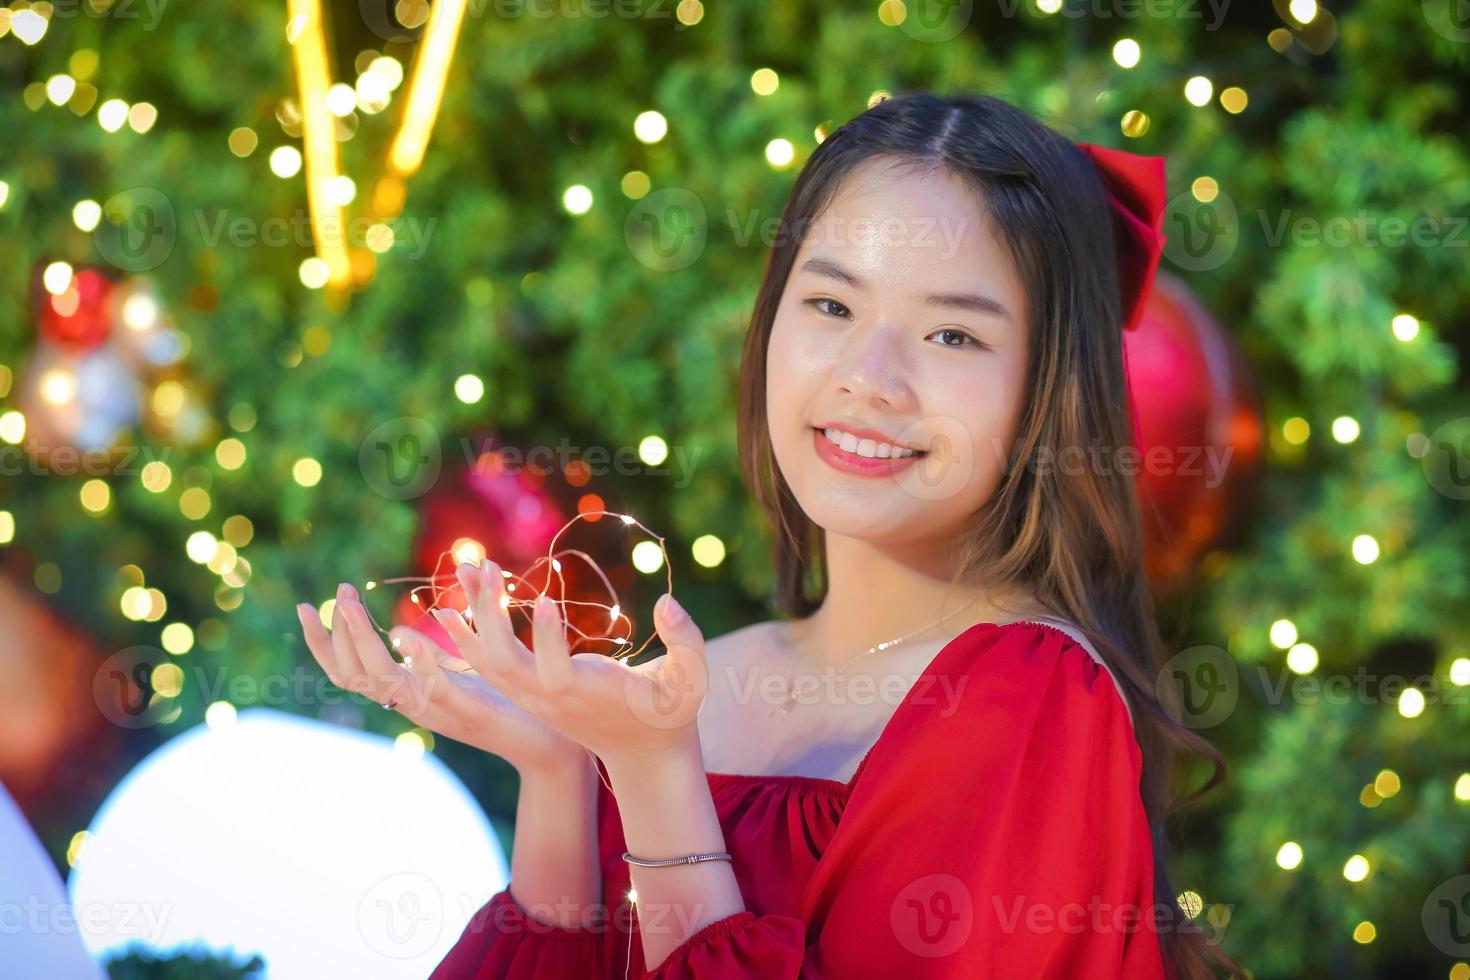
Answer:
(1283, 633)
(764, 81)
(647, 557)
(59, 88)
(285, 161)
(1289, 856)
(1345, 429)
(314, 272)
(1127, 52)
(86, 214)
(341, 190)
(57, 277)
(577, 199)
(1199, 90)
(469, 388)
(653, 450)
(1365, 549)
(780, 152)
(1460, 671)
(1303, 11)
(650, 126)
(112, 115)
(140, 311)
(220, 714)
(341, 99)
(1405, 327)
(1302, 658)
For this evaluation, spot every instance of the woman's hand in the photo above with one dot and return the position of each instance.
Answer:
(640, 715)
(431, 695)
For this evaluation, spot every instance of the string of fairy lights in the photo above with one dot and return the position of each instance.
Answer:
(323, 114)
(431, 591)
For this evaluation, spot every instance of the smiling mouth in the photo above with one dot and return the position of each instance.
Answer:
(868, 448)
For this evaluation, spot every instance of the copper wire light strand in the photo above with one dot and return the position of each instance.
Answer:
(436, 587)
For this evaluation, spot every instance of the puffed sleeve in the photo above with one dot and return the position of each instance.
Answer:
(997, 830)
(502, 941)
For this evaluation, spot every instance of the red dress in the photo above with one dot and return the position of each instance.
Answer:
(995, 829)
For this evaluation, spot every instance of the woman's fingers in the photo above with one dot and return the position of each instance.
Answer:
(424, 666)
(319, 642)
(426, 660)
(391, 683)
(348, 664)
(491, 618)
(465, 640)
(549, 639)
(682, 670)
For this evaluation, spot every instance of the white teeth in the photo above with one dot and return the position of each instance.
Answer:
(866, 447)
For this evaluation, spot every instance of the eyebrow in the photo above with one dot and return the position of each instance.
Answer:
(973, 302)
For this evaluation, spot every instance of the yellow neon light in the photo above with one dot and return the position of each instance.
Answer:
(313, 78)
(426, 87)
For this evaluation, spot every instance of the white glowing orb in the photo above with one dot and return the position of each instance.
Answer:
(327, 851)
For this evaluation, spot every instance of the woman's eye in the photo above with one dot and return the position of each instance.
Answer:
(844, 311)
(959, 337)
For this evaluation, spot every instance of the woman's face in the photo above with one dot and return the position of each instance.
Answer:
(903, 315)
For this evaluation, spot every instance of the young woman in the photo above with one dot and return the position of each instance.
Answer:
(948, 758)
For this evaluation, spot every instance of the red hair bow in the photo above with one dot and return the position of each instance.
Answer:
(1138, 194)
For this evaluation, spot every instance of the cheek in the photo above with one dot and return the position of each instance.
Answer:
(793, 368)
(985, 400)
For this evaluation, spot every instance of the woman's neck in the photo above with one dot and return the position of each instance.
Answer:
(874, 595)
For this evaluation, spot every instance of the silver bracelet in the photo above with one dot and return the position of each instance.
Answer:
(686, 859)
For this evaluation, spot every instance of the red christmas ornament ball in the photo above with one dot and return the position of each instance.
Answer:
(80, 318)
(1198, 427)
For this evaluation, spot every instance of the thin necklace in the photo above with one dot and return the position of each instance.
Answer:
(790, 700)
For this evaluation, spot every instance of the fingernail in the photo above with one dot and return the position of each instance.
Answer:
(673, 612)
(543, 606)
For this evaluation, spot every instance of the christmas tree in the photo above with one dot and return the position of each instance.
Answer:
(537, 225)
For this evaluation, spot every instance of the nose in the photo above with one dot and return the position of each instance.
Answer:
(875, 371)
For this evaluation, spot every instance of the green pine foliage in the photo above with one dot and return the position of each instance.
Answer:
(582, 331)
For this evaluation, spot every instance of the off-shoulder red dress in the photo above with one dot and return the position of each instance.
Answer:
(994, 830)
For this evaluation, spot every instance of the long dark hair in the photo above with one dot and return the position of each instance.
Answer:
(1072, 541)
